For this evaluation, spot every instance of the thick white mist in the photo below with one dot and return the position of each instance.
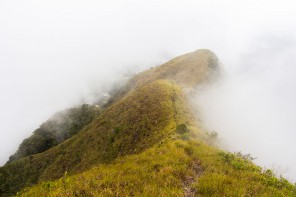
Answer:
(58, 53)
(252, 106)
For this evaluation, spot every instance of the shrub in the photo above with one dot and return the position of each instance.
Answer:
(181, 129)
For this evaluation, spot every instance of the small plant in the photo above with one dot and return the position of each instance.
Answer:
(212, 137)
(240, 161)
(116, 130)
(185, 136)
(181, 129)
(46, 186)
(247, 157)
(189, 150)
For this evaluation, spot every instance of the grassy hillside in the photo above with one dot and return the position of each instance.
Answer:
(135, 123)
(176, 166)
(187, 71)
(144, 143)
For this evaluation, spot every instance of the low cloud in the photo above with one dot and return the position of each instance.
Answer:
(252, 105)
(60, 53)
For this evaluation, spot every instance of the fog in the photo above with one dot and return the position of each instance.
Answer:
(252, 107)
(55, 54)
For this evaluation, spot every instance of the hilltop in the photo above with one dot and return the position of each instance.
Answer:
(144, 142)
(187, 70)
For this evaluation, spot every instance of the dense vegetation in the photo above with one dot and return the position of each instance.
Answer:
(57, 129)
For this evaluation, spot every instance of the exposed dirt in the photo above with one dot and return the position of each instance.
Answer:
(189, 180)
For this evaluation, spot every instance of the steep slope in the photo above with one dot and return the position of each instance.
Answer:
(144, 143)
(133, 124)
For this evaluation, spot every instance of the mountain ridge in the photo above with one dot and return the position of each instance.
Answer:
(98, 143)
(145, 142)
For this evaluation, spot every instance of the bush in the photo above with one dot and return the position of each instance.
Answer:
(181, 129)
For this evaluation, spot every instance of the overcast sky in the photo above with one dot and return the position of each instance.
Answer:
(58, 53)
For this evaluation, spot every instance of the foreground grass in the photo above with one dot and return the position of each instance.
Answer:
(156, 172)
(168, 169)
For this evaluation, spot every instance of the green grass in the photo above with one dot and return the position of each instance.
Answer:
(228, 174)
(144, 143)
(164, 170)
(186, 70)
(156, 172)
(136, 122)
(127, 152)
